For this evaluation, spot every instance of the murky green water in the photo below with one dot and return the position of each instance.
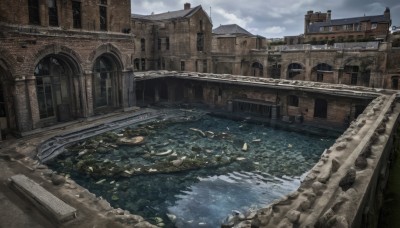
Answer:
(195, 171)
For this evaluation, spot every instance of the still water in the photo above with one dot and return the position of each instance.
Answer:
(192, 173)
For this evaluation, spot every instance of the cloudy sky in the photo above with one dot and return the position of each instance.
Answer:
(272, 18)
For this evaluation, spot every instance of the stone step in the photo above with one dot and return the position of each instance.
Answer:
(42, 199)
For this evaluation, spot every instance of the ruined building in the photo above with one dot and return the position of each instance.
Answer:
(237, 51)
(178, 40)
(63, 60)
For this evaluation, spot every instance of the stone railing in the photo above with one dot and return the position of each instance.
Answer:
(337, 46)
(325, 88)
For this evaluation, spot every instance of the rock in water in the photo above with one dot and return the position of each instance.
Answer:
(177, 162)
(199, 131)
(164, 153)
(131, 142)
(348, 180)
(245, 147)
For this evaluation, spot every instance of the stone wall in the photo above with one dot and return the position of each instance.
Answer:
(118, 15)
(21, 51)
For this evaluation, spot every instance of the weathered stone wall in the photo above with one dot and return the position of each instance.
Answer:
(118, 15)
(182, 36)
(22, 51)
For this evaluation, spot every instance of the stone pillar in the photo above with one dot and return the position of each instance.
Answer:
(274, 112)
(22, 108)
(128, 89)
(82, 96)
(33, 101)
(335, 75)
(157, 94)
(87, 77)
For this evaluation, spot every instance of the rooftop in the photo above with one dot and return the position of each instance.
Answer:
(168, 15)
(232, 29)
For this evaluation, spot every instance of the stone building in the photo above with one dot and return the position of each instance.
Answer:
(237, 51)
(319, 27)
(177, 40)
(63, 60)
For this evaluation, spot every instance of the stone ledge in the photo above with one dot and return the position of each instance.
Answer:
(42, 199)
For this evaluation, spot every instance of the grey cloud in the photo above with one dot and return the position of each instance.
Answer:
(269, 15)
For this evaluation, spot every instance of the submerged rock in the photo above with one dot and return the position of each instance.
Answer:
(138, 140)
(245, 147)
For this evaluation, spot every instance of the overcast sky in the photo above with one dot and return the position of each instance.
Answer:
(272, 18)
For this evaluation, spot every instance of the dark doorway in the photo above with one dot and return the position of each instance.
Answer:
(358, 110)
(198, 92)
(320, 108)
(395, 82)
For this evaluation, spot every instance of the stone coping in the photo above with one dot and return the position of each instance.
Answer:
(318, 87)
(41, 198)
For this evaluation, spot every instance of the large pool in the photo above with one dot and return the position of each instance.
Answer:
(192, 172)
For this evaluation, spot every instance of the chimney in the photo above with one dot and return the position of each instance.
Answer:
(328, 15)
(187, 6)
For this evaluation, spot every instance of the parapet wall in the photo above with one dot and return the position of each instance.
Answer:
(344, 188)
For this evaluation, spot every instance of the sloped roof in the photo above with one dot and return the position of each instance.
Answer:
(168, 15)
(315, 27)
(232, 29)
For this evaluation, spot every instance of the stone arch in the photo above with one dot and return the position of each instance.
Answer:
(394, 82)
(109, 50)
(257, 69)
(295, 71)
(8, 120)
(322, 72)
(59, 87)
(356, 71)
(107, 82)
(65, 52)
(7, 61)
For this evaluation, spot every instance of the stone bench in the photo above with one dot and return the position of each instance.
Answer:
(42, 199)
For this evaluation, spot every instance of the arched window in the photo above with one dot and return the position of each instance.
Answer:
(103, 82)
(52, 85)
(257, 69)
(321, 69)
(294, 69)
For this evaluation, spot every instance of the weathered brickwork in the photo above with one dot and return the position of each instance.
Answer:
(71, 36)
(170, 41)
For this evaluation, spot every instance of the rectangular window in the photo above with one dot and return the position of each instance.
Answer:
(33, 6)
(159, 44)
(53, 17)
(103, 2)
(77, 14)
(200, 41)
(103, 18)
(204, 66)
(182, 65)
(320, 77)
(143, 64)
(354, 77)
(374, 25)
(167, 43)
(293, 101)
(143, 44)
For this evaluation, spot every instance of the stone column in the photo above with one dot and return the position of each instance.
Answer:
(87, 77)
(336, 76)
(33, 101)
(128, 89)
(83, 96)
(22, 108)
(157, 94)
